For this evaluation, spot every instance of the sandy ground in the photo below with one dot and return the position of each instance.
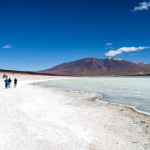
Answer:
(40, 118)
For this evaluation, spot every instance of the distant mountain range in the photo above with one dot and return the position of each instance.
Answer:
(99, 67)
(22, 72)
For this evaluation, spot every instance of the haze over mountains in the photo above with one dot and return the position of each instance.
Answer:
(99, 67)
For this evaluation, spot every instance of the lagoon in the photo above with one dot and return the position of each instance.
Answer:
(130, 91)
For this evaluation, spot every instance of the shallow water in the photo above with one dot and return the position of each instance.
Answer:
(131, 91)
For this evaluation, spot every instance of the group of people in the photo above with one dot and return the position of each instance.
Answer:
(8, 82)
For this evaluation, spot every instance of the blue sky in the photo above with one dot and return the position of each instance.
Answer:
(36, 35)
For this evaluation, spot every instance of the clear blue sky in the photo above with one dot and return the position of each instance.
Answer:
(39, 34)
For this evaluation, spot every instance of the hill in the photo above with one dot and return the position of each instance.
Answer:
(99, 67)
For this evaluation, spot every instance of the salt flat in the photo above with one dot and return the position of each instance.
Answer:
(40, 118)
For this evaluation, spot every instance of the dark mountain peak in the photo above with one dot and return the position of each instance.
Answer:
(97, 67)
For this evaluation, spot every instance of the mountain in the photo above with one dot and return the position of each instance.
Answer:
(99, 67)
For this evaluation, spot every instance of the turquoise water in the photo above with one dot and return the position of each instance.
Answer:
(131, 91)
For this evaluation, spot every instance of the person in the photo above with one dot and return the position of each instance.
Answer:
(6, 83)
(9, 82)
(15, 82)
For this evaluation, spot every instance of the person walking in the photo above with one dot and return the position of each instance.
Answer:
(6, 83)
(15, 82)
(9, 82)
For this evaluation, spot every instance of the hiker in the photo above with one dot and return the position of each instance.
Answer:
(9, 82)
(6, 83)
(15, 82)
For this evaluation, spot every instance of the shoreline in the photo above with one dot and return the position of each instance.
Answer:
(133, 108)
(128, 106)
(96, 97)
